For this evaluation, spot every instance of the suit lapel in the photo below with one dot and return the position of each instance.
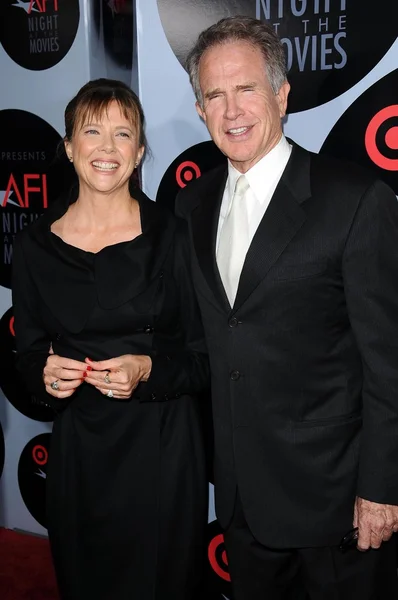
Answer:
(204, 231)
(283, 218)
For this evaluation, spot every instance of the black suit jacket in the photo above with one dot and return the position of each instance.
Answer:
(305, 365)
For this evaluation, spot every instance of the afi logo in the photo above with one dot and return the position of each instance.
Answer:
(41, 5)
(23, 191)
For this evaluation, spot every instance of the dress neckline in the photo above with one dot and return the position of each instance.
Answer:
(60, 213)
(90, 252)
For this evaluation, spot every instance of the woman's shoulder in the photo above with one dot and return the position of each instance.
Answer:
(37, 229)
(32, 233)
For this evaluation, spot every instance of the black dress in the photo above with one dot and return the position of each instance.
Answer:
(126, 481)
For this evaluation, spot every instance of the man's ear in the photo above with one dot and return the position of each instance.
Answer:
(200, 112)
(282, 96)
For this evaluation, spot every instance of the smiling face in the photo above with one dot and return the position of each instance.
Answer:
(105, 150)
(240, 109)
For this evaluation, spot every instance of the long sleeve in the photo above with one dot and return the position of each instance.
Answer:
(32, 341)
(370, 270)
(186, 370)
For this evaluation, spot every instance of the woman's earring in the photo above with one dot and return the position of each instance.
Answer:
(70, 158)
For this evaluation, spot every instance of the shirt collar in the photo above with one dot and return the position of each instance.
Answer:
(267, 169)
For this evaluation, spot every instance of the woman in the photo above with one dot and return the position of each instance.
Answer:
(108, 334)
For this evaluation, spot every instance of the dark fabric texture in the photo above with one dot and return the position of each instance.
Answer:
(326, 573)
(127, 486)
(305, 364)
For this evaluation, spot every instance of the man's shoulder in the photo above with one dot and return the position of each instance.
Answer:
(336, 182)
(333, 173)
(197, 191)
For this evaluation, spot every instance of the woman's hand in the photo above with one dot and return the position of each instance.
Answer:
(65, 374)
(118, 377)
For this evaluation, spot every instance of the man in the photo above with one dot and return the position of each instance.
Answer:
(296, 270)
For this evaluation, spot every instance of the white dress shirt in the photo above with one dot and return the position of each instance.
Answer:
(263, 178)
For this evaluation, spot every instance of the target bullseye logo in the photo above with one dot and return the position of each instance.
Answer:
(218, 557)
(32, 476)
(390, 138)
(187, 171)
(40, 455)
(218, 579)
(188, 166)
(367, 133)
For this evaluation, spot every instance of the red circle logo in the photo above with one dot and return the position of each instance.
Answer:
(214, 550)
(12, 330)
(32, 476)
(186, 172)
(40, 455)
(391, 138)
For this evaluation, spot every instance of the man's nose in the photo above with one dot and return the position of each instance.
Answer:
(233, 108)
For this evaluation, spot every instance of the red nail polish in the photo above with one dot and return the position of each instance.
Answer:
(87, 358)
(82, 380)
(89, 368)
(85, 374)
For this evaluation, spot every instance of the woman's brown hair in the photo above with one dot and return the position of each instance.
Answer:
(93, 100)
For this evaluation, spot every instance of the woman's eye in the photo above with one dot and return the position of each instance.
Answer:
(124, 134)
(91, 131)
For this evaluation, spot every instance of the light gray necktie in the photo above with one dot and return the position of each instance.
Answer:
(234, 240)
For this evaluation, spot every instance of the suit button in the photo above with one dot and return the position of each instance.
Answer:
(233, 322)
(235, 375)
(153, 396)
(148, 329)
(58, 336)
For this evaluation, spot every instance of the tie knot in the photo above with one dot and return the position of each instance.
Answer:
(241, 187)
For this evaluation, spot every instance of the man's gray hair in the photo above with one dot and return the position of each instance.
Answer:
(238, 29)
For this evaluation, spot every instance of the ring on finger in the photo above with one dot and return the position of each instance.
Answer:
(107, 378)
(109, 393)
(54, 385)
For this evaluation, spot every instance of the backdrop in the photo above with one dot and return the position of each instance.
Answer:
(343, 61)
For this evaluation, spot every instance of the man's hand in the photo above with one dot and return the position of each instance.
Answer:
(376, 523)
